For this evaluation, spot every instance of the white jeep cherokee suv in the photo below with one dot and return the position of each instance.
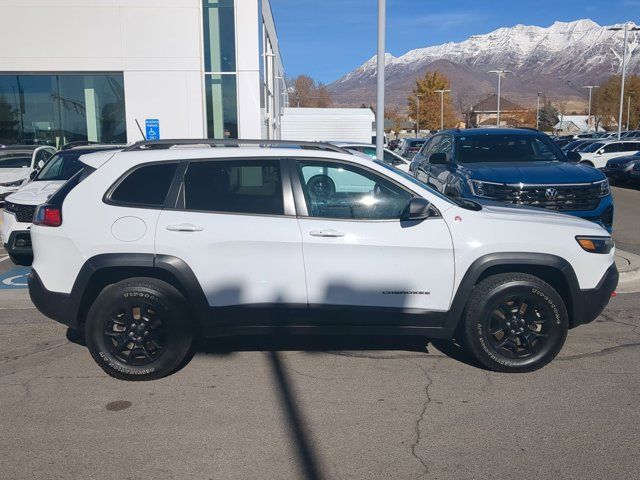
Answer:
(152, 245)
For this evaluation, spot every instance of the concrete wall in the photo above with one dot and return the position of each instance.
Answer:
(156, 43)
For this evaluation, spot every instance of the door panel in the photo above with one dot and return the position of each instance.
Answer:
(238, 259)
(378, 263)
(231, 230)
(357, 251)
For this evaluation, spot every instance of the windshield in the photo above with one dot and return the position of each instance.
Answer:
(415, 181)
(509, 147)
(594, 147)
(15, 159)
(60, 167)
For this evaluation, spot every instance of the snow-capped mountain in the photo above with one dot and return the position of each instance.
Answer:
(557, 60)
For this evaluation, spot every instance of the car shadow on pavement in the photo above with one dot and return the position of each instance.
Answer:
(299, 431)
(416, 345)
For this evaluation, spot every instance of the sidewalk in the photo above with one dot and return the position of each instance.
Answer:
(629, 267)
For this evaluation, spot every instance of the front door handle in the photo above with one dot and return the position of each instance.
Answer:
(326, 233)
(184, 227)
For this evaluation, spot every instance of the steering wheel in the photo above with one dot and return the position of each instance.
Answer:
(321, 187)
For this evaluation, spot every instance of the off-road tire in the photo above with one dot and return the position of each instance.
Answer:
(153, 313)
(493, 297)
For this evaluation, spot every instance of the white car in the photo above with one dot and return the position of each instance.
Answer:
(390, 158)
(599, 153)
(148, 247)
(20, 206)
(18, 163)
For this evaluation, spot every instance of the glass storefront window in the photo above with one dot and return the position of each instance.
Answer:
(219, 36)
(222, 116)
(53, 110)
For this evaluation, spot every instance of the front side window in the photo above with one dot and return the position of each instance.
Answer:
(506, 148)
(146, 186)
(594, 147)
(334, 190)
(238, 186)
(432, 147)
(446, 146)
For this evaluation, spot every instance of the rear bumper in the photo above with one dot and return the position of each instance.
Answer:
(51, 304)
(18, 245)
(589, 304)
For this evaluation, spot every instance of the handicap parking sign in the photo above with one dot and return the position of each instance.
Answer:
(152, 127)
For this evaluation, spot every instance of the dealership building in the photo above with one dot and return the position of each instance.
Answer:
(115, 70)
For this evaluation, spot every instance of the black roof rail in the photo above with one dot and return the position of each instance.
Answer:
(227, 142)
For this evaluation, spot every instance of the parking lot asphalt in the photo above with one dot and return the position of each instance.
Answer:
(331, 407)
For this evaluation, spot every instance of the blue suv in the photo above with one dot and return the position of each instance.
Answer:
(518, 166)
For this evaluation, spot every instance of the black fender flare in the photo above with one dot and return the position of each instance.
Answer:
(515, 260)
(165, 266)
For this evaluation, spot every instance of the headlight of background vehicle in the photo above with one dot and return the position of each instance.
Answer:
(596, 244)
(484, 189)
(604, 188)
(17, 183)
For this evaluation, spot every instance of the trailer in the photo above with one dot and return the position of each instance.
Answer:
(328, 124)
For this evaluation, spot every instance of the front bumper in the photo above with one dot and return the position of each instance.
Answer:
(51, 304)
(589, 304)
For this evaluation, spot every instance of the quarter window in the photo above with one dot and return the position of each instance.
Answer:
(239, 186)
(343, 191)
(146, 186)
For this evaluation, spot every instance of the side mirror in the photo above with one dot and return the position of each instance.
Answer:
(574, 157)
(438, 158)
(33, 174)
(600, 152)
(418, 209)
(40, 164)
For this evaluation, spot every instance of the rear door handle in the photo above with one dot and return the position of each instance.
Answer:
(326, 233)
(184, 227)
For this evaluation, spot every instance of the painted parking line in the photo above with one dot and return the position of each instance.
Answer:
(14, 278)
(2, 259)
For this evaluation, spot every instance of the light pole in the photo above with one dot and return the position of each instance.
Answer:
(538, 112)
(626, 30)
(442, 92)
(629, 107)
(418, 95)
(382, 7)
(590, 87)
(500, 73)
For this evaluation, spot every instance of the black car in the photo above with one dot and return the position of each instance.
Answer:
(619, 169)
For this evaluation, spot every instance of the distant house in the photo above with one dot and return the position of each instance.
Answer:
(485, 113)
(575, 124)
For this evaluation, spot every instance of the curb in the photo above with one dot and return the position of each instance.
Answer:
(628, 266)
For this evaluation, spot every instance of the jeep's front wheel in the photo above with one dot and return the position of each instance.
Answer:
(139, 329)
(515, 323)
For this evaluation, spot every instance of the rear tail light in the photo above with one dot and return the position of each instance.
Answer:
(48, 216)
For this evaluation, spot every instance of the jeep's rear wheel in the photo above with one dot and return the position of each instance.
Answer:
(139, 329)
(515, 323)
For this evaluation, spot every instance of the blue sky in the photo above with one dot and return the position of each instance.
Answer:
(328, 38)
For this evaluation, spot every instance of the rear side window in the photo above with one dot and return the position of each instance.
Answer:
(145, 186)
(239, 186)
